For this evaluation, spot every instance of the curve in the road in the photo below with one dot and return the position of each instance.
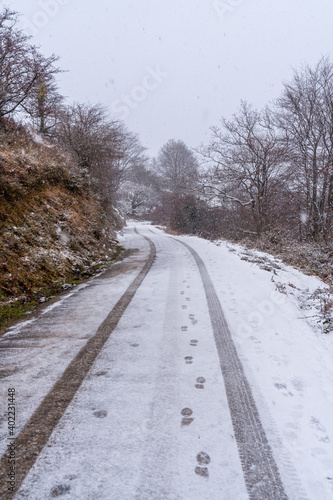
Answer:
(260, 471)
(38, 429)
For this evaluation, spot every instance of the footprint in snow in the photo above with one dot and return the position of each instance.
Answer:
(202, 459)
(184, 307)
(59, 490)
(100, 414)
(184, 328)
(202, 471)
(187, 416)
(192, 318)
(275, 360)
(283, 387)
(298, 384)
(194, 343)
(200, 383)
(188, 360)
(321, 431)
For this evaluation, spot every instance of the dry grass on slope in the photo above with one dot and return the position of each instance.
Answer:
(53, 230)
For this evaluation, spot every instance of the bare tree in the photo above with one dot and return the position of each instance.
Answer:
(177, 167)
(44, 105)
(140, 191)
(131, 161)
(94, 142)
(136, 198)
(247, 165)
(306, 118)
(102, 149)
(21, 65)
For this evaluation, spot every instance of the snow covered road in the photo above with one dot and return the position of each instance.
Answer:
(162, 408)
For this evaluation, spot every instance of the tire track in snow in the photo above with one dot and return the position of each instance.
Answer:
(261, 474)
(39, 428)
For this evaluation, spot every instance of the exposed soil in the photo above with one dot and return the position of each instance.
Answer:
(54, 231)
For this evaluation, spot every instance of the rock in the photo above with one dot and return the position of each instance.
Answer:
(66, 286)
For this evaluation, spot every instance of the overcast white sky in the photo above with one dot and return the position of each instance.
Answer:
(172, 68)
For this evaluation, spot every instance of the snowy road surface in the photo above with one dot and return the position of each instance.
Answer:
(134, 387)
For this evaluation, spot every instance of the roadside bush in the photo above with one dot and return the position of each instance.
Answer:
(193, 216)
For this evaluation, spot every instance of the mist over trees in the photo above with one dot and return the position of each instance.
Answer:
(139, 193)
(178, 202)
(263, 172)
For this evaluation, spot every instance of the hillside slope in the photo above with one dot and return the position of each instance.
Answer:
(53, 229)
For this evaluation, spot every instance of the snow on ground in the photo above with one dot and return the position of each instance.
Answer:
(124, 435)
(288, 362)
(315, 300)
(35, 352)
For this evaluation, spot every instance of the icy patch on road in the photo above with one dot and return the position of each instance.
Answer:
(13, 330)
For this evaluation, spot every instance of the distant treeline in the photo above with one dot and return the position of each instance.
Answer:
(263, 171)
